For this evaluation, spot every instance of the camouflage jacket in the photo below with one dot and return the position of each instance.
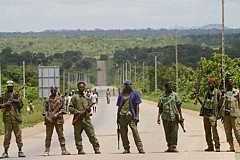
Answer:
(11, 111)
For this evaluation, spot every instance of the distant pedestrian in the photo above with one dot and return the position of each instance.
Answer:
(128, 115)
(94, 99)
(169, 106)
(108, 95)
(30, 107)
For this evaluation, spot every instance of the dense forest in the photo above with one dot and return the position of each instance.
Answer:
(78, 51)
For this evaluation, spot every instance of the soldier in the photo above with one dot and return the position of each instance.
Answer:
(79, 106)
(170, 110)
(11, 106)
(231, 113)
(53, 112)
(128, 115)
(210, 108)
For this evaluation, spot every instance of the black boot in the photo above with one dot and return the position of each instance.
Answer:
(21, 154)
(5, 155)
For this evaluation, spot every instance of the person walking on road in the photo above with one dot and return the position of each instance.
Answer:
(108, 95)
(128, 115)
(11, 106)
(210, 110)
(80, 107)
(169, 106)
(53, 112)
(94, 99)
(231, 113)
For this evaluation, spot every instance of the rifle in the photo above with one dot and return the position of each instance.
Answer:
(14, 98)
(182, 125)
(53, 114)
(81, 116)
(118, 133)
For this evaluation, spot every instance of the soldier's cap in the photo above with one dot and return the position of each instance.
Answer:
(81, 82)
(211, 80)
(9, 83)
(127, 82)
(53, 87)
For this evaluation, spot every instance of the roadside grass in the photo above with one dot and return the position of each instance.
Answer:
(29, 120)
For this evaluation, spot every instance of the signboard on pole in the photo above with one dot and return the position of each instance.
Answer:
(48, 76)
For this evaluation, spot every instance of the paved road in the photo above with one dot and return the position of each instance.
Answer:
(191, 144)
(102, 75)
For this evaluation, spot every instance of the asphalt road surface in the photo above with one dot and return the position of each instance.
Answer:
(191, 144)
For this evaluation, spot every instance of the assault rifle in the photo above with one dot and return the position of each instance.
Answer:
(81, 116)
(14, 98)
(182, 125)
(54, 113)
(118, 133)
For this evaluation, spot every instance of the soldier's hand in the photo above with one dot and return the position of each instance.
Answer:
(136, 120)
(159, 121)
(7, 104)
(88, 110)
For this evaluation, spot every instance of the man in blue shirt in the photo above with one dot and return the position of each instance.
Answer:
(128, 114)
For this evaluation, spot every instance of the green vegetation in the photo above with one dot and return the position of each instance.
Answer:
(198, 57)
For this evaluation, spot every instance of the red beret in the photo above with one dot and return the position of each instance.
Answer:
(81, 82)
(211, 80)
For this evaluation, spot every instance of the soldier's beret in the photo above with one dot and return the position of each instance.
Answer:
(81, 82)
(211, 80)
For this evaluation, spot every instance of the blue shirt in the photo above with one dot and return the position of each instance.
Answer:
(134, 100)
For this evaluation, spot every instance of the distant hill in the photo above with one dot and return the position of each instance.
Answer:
(208, 29)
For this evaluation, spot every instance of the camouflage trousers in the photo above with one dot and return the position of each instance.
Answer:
(49, 132)
(171, 133)
(232, 123)
(211, 133)
(17, 130)
(87, 126)
(126, 121)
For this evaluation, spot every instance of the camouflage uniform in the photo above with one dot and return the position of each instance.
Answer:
(11, 107)
(231, 116)
(50, 104)
(77, 106)
(210, 113)
(170, 117)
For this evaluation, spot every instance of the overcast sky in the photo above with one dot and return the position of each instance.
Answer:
(40, 15)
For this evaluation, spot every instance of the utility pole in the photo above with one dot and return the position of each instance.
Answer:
(143, 79)
(126, 72)
(223, 47)
(24, 79)
(0, 76)
(123, 74)
(155, 58)
(135, 73)
(176, 49)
